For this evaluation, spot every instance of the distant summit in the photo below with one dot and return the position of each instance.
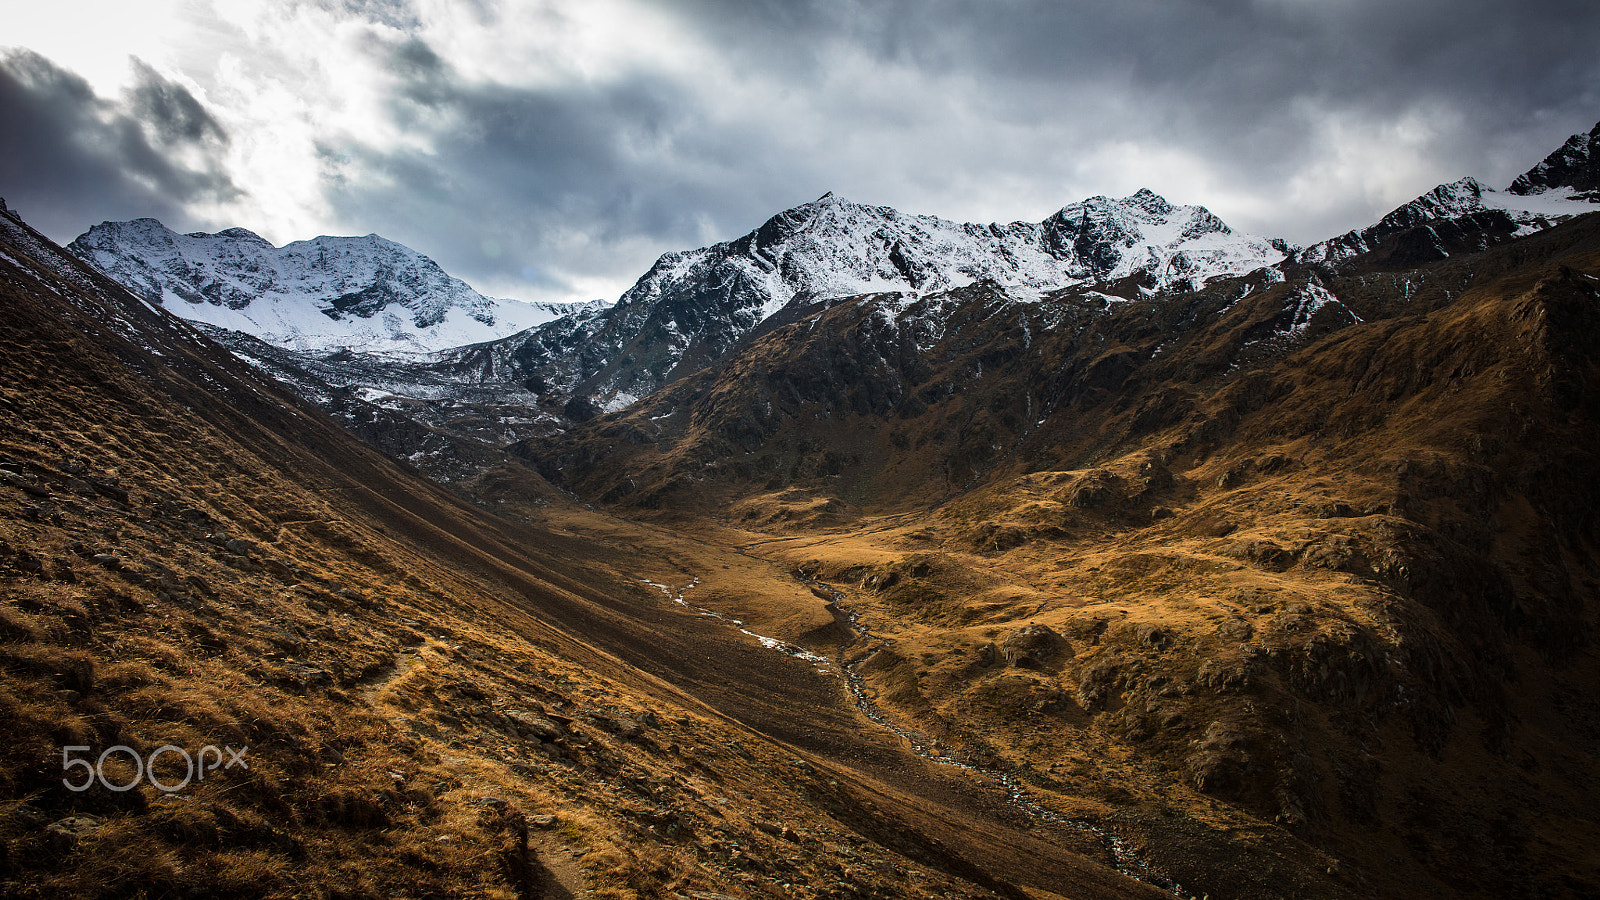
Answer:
(1576, 166)
(1466, 216)
(328, 293)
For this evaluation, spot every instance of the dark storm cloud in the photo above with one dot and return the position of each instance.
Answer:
(68, 157)
(173, 115)
(1223, 54)
(551, 180)
(1235, 75)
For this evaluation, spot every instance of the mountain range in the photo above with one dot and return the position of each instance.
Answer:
(866, 555)
(693, 307)
(327, 314)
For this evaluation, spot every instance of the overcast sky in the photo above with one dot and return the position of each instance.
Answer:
(551, 149)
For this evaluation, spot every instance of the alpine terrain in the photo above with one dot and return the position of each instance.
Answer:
(865, 555)
(313, 321)
(691, 308)
(325, 294)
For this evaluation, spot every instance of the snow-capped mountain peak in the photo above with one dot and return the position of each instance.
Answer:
(1576, 167)
(694, 306)
(1467, 215)
(832, 246)
(1145, 234)
(365, 293)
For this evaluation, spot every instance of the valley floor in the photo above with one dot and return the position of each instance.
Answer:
(1036, 795)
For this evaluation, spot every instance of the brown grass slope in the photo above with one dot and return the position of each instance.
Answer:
(435, 701)
(1335, 583)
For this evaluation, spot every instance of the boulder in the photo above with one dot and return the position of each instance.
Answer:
(535, 725)
(1152, 636)
(66, 833)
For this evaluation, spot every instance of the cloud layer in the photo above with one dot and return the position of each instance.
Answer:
(552, 150)
(64, 150)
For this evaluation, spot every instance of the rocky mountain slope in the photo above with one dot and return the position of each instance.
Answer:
(365, 294)
(415, 697)
(411, 408)
(693, 307)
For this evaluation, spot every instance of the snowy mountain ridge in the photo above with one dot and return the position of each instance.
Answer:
(329, 293)
(832, 247)
(1532, 203)
(694, 306)
(1575, 165)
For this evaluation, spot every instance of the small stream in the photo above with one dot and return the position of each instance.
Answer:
(1126, 860)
